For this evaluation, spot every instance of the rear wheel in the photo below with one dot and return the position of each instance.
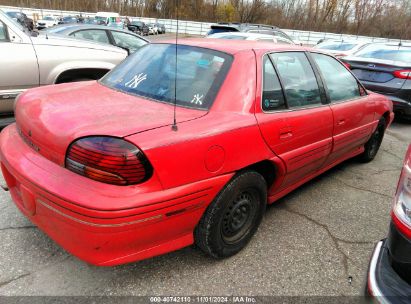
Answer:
(233, 217)
(373, 144)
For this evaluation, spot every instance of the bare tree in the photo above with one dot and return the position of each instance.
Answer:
(387, 18)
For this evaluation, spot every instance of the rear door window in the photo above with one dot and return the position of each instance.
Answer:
(128, 41)
(298, 79)
(273, 98)
(94, 35)
(340, 83)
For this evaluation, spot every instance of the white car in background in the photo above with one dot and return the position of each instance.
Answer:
(341, 48)
(152, 29)
(46, 22)
(250, 36)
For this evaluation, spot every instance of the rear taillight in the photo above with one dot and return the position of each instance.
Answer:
(402, 204)
(403, 74)
(109, 160)
(347, 65)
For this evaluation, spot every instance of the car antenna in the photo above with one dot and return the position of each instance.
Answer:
(174, 126)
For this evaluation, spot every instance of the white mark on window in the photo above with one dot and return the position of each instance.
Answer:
(136, 80)
(197, 99)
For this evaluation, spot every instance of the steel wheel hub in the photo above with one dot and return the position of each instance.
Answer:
(238, 217)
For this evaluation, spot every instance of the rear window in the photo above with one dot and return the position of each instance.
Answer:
(336, 46)
(215, 30)
(386, 52)
(151, 72)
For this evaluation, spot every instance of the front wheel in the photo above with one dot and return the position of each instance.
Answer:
(373, 144)
(233, 217)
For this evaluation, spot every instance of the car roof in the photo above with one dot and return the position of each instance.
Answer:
(243, 26)
(235, 46)
(69, 28)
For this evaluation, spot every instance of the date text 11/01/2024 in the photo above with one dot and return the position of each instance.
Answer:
(203, 299)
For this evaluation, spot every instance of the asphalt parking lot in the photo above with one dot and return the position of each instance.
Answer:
(315, 241)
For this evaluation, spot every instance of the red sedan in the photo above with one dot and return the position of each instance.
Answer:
(166, 151)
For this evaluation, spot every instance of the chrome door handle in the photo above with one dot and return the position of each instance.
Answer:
(341, 122)
(286, 135)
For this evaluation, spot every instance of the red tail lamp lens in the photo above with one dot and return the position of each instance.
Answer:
(402, 74)
(347, 65)
(108, 160)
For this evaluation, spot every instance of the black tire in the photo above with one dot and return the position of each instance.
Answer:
(233, 217)
(373, 144)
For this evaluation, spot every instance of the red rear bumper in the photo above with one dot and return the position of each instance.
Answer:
(133, 223)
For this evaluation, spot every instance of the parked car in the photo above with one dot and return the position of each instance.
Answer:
(22, 18)
(102, 34)
(89, 20)
(46, 22)
(152, 29)
(250, 36)
(132, 166)
(138, 27)
(248, 28)
(389, 274)
(385, 68)
(28, 61)
(68, 20)
(107, 18)
(341, 48)
(161, 28)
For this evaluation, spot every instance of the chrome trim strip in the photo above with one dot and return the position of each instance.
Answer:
(372, 280)
(10, 94)
(95, 224)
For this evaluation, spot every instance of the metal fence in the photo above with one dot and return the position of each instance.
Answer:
(201, 28)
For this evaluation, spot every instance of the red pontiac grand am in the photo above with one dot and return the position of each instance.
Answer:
(104, 171)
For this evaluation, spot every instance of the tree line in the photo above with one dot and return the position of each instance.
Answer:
(381, 18)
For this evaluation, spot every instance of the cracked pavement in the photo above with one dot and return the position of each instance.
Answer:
(315, 241)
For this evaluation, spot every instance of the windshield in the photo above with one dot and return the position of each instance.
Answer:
(151, 72)
(48, 18)
(386, 52)
(336, 46)
(15, 22)
(13, 14)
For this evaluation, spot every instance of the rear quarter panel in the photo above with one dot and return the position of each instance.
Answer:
(383, 107)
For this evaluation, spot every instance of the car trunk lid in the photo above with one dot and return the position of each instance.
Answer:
(377, 73)
(50, 118)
